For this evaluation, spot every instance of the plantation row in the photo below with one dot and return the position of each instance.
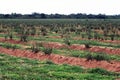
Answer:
(36, 49)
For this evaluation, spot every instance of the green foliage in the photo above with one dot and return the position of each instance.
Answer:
(27, 69)
(24, 38)
(6, 36)
(67, 41)
(89, 56)
(112, 36)
(101, 56)
(10, 46)
(87, 44)
(49, 62)
(98, 56)
(36, 47)
(101, 71)
(10, 36)
(44, 31)
(47, 50)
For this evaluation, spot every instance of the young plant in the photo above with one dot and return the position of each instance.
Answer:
(89, 56)
(23, 38)
(112, 36)
(67, 41)
(87, 44)
(100, 71)
(44, 31)
(35, 49)
(10, 46)
(101, 56)
(97, 56)
(11, 36)
(47, 50)
(6, 36)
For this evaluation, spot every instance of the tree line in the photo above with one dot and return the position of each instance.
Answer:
(57, 16)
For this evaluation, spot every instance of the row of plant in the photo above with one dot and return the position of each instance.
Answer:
(33, 48)
(38, 46)
(70, 41)
(10, 46)
(86, 54)
(13, 68)
(67, 52)
(67, 41)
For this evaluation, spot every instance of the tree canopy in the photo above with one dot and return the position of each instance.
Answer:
(57, 16)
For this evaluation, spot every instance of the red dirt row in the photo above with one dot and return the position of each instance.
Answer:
(82, 47)
(12, 41)
(106, 41)
(73, 47)
(58, 59)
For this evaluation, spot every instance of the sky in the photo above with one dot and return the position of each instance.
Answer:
(109, 7)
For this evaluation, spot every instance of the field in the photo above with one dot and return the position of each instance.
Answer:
(60, 49)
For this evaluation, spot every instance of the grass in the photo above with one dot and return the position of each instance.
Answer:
(98, 56)
(13, 68)
(83, 54)
(93, 43)
(9, 45)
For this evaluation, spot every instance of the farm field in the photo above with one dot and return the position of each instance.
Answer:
(60, 49)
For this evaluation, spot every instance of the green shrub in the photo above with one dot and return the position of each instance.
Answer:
(87, 44)
(10, 46)
(97, 56)
(67, 41)
(6, 36)
(100, 71)
(15, 47)
(47, 50)
(49, 62)
(24, 38)
(35, 49)
(101, 56)
(89, 56)
(112, 36)
(43, 31)
(11, 36)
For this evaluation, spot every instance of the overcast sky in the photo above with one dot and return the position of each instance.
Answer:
(60, 6)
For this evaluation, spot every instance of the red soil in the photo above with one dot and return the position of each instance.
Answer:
(79, 38)
(56, 37)
(82, 47)
(55, 45)
(58, 59)
(29, 35)
(12, 41)
(96, 49)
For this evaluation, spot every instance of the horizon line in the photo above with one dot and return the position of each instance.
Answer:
(60, 13)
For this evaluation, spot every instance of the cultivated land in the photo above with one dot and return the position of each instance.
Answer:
(60, 49)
